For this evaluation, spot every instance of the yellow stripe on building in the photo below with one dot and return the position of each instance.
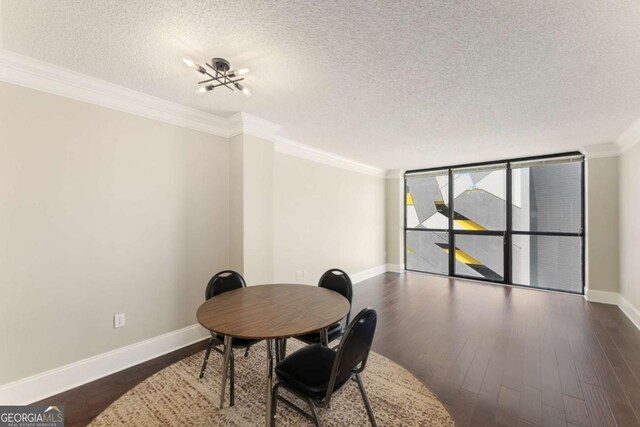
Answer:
(409, 199)
(468, 224)
(464, 257)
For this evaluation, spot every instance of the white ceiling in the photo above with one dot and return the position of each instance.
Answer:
(398, 85)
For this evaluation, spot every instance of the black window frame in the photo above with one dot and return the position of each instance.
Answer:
(508, 232)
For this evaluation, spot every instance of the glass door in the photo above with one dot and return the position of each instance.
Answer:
(427, 223)
(479, 219)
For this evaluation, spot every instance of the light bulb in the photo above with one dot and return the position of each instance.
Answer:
(188, 61)
(246, 92)
(237, 73)
(204, 89)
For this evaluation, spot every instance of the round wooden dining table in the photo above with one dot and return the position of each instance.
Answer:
(270, 312)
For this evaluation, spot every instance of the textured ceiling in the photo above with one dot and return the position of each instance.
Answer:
(398, 85)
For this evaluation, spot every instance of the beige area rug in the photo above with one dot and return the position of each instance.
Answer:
(176, 397)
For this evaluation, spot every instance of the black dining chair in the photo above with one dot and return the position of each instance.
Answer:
(315, 372)
(340, 282)
(225, 281)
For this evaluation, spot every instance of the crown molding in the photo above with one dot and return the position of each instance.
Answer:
(394, 173)
(252, 125)
(35, 74)
(609, 149)
(296, 149)
(627, 139)
(630, 137)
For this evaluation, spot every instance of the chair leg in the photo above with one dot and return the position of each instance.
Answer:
(232, 382)
(314, 412)
(365, 398)
(206, 358)
(246, 352)
(283, 351)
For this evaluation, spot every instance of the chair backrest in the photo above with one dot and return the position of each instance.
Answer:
(340, 282)
(224, 281)
(353, 351)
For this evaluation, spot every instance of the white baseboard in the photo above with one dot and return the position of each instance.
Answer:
(395, 268)
(37, 387)
(602, 296)
(615, 298)
(49, 383)
(368, 274)
(376, 271)
(632, 312)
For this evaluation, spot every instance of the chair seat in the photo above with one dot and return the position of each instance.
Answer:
(236, 342)
(334, 332)
(308, 370)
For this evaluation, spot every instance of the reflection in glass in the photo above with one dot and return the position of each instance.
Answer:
(428, 251)
(479, 199)
(542, 239)
(548, 262)
(425, 192)
(479, 256)
(547, 197)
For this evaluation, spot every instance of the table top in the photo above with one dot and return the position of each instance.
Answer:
(272, 311)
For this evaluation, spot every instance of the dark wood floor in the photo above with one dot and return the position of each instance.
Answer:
(494, 355)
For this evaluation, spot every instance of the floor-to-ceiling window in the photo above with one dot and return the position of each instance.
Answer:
(517, 222)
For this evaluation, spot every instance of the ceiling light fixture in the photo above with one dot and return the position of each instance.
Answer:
(220, 75)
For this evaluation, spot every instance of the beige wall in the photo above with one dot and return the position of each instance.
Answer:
(629, 225)
(258, 210)
(251, 208)
(602, 224)
(325, 217)
(394, 209)
(236, 203)
(101, 212)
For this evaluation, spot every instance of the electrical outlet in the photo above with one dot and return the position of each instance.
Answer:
(118, 320)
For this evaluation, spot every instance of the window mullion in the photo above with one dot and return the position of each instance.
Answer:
(452, 255)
